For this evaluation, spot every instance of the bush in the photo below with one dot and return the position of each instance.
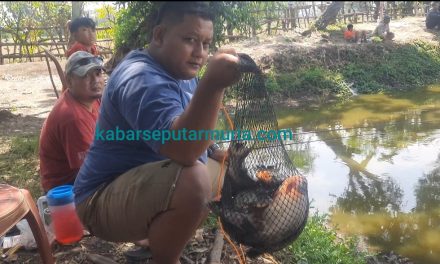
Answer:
(369, 68)
(314, 81)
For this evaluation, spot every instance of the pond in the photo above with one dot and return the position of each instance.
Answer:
(373, 165)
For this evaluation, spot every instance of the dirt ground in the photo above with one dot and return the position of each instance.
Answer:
(27, 96)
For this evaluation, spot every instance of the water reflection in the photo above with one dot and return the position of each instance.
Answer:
(373, 164)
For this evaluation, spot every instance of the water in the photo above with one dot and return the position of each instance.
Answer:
(373, 164)
(66, 224)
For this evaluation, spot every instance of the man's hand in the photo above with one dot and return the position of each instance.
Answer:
(222, 70)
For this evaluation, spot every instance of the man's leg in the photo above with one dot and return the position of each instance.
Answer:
(171, 230)
(389, 36)
(162, 201)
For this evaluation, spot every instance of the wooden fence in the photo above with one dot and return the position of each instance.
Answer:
(300, 15)
(26, 50)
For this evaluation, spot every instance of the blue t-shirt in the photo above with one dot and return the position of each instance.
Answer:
(140, 96)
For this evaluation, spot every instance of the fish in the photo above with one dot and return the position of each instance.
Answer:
(239, 175)
(286, 215)
(267, 222)
(259, 210)
(236, 172)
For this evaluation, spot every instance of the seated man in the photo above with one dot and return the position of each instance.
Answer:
(383, 29)
(433, 17)
(350, 35)
(83, 30)
(69, 129)
(130, 189)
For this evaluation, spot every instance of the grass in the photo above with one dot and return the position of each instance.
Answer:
(319, 244)
(19, 163)
(374, 68)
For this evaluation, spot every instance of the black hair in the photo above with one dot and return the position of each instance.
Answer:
(175, 11)
(349, 26)
(81, 22)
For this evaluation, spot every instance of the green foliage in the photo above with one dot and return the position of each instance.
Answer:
(362, 76)
(271, 83)
(312, 81)
(243, 18)
(210, 222)
(405, 67)
(337, 27)
(19, 165)
(376, 68)
(17, 17)
(319, 244)
(106, 17)
(131, 29)
(376, 39)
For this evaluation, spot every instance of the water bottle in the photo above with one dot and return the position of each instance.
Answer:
(65, 222)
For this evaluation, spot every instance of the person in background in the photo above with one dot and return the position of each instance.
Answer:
(83, 30)
(350, 35)
(70, 127)
(433, 17)
(383, 29)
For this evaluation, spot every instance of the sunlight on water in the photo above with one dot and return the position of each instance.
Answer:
(373, 164)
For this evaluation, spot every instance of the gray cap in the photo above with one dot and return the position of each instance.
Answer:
(81, 62)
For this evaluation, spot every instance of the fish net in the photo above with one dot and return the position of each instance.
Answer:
(264, 202)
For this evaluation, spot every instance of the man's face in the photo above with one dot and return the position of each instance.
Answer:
(85, 35)
(89, 87)
(184, 47)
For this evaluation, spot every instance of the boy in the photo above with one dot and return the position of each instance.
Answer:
(353, 36)
(130, 190)
(83, 30)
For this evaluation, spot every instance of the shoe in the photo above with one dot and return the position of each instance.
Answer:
(138, 255)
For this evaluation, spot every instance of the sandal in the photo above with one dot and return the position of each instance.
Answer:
(138, 255)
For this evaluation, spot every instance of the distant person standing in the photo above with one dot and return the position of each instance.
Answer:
(433, 17)
(83, 30)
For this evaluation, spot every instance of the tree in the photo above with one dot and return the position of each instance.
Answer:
(19, 19)
(135, 21)
(329, 15)
(77, 9)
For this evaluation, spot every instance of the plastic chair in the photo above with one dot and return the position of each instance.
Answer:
(16, 204)
(49, 55)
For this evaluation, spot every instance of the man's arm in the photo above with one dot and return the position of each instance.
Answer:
(202, 111)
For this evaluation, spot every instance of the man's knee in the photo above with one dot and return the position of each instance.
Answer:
(193, 186)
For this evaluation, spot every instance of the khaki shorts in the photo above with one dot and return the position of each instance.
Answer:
(124, 209)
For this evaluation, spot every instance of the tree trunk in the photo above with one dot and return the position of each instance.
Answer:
(77, 9)
(381, 10)
(329, 15)
(376, 10)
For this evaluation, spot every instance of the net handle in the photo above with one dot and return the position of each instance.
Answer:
(247, 64)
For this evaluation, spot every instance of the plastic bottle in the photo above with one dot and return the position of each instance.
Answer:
(65, 222)
(43, 209)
